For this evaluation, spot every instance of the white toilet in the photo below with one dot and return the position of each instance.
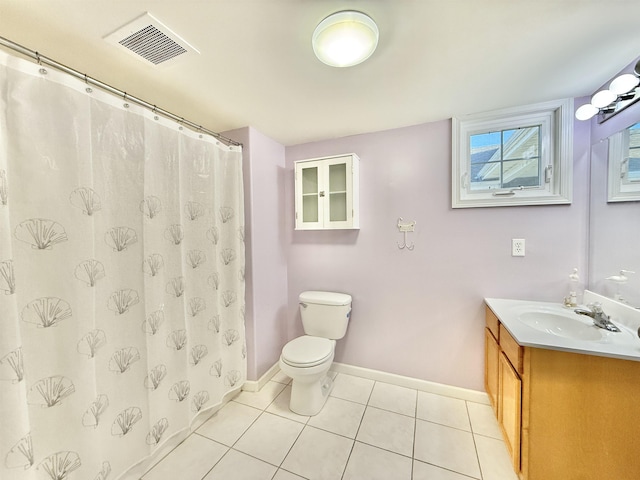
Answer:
(307, 359)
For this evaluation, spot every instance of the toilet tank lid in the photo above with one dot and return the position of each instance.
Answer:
(325, 298)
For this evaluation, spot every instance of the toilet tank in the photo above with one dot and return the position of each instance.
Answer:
(325, 314)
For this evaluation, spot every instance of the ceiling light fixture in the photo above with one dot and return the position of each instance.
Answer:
(622, 92)
(344, 39)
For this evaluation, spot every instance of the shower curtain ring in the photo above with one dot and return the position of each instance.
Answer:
(43, 71)
(86, 81)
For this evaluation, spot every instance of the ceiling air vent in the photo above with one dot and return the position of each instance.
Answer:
(149, 39)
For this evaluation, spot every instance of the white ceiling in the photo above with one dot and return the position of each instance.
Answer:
(436, 58)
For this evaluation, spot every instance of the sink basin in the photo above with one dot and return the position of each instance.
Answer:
(560, 322)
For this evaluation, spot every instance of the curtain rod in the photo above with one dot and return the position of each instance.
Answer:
(41, 59)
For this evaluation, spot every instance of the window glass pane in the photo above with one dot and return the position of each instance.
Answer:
(633, 173)
(505, 159)
(310, 180)
(338, 177)
(310, 208)
(338, 207)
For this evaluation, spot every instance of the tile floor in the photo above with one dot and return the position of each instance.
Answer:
(367, 430)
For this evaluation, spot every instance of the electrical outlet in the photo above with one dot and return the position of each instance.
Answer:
(517, 247)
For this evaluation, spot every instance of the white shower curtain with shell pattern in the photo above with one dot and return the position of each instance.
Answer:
(121, 278)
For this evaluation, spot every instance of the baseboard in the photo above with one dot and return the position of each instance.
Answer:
(393, 379)
(415, 383)
(256, 385)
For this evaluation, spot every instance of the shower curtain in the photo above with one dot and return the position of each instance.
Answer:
(121, 277)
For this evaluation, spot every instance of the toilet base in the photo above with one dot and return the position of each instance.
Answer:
(308, 398)
(310, 387)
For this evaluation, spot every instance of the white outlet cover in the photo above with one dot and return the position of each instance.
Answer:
(517, 247)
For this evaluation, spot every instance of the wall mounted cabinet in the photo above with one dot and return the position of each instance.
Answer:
(326, 191)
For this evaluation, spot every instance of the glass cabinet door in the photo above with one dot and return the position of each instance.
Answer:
(338, 192)
(310, 192)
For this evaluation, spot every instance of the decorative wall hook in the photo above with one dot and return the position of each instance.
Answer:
(404, 228)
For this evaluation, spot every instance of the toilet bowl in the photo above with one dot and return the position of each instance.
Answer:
(307, 359)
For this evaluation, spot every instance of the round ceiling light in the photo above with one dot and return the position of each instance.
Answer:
(345, 38)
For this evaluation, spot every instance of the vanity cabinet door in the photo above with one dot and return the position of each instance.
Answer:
(491, 366)
(510, 408)
(326, 192)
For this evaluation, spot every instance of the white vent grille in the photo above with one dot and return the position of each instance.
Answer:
(147, 38)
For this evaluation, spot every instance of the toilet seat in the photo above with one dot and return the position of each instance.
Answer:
(307, 351)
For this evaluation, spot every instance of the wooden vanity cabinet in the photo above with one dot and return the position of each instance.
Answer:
(563, 416)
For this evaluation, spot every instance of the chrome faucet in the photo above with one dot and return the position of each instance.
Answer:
(600, 319)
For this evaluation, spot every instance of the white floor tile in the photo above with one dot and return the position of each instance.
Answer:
(352, 388)
(318, 455)
(394, 398)
(448, 411)
(229, 423)
(269, 438)
(446, 447)
(284, 475)
(263, 398)
(191, 460)
(424, 471)
(239, 466)
(495, 462)
(280, 406)
(339, 416)
(387, 430)
(371, 463)
(483, 420)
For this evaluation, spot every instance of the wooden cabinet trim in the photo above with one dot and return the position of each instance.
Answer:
(511, 349)
(510, 409)
(492, 323)
(492, 352)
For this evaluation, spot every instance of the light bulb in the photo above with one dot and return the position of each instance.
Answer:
(585, 112)
(603, 98)
(624, 83)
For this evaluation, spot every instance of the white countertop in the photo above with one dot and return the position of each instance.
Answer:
(624, 345)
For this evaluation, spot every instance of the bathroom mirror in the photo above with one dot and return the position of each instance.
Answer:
(624, 165)
(614, 217)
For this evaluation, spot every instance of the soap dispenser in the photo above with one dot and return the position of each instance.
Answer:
(571, 300)
(619, 280)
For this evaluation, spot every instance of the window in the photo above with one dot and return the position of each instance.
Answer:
(520, 156)
(624, 165)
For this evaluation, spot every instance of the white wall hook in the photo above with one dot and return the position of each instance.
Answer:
(404, 228)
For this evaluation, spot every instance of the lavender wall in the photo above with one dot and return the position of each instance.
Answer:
(420, 313)
(266, 251)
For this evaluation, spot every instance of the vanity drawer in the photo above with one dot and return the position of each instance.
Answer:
(492, 323)
(511, 349)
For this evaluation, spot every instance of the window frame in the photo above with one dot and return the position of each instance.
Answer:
(618, 190)
(556, 155)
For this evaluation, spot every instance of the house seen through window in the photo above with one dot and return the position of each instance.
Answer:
(633, 155)
(506, 159)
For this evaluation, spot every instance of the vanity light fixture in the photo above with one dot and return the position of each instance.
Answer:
(345, 38)
(622, 91)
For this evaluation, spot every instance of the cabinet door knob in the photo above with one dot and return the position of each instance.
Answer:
(321, 194)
